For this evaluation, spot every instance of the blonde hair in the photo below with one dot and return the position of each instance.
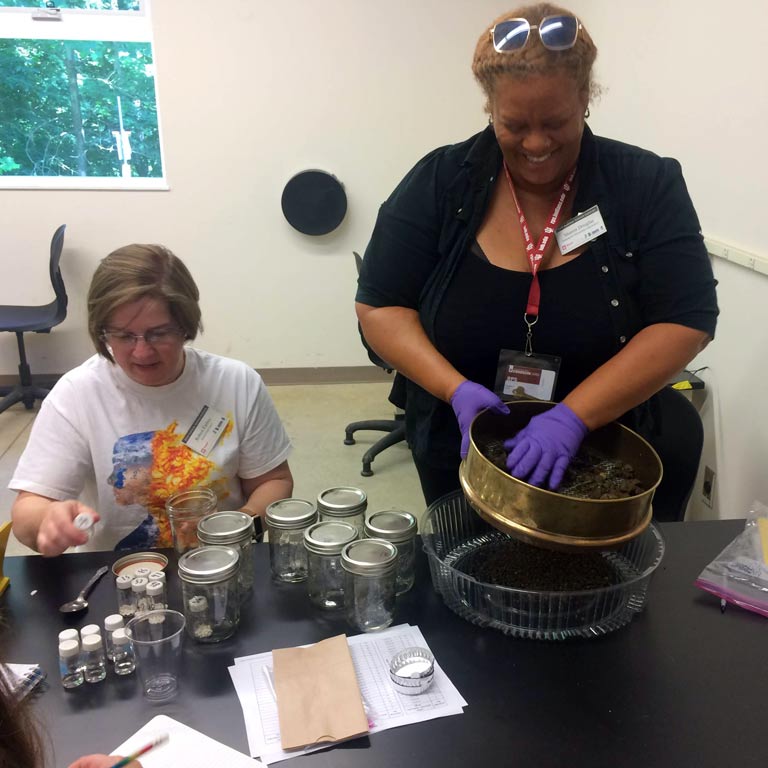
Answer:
(136, 272)
(533, 58)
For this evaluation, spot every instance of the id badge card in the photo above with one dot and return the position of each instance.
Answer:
(581, 229)
(206, 431)
(521, 375)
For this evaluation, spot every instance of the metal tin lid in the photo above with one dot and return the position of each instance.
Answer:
(391, 525)
(412, 670)
(369, 557)
(342, 501)
(209, 564)
(291, 513)
(329, 537)
(225, 528)
(129, 563)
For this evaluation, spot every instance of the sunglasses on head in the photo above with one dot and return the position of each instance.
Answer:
(557, 33)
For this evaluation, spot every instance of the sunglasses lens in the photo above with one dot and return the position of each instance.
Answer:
(510, 35)
(558, 32)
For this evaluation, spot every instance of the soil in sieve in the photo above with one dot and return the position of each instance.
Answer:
(589, 476)
(512, 563)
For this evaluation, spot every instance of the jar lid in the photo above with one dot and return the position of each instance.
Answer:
(91, 642)
(119, 637)
(69, 634)
(225, 527)
(342, 501)
(69, 648)
(209, 564)
(90, 629)
(329, 537)
(391, 525)
(369, 557)
(291, 513)
(113, 622)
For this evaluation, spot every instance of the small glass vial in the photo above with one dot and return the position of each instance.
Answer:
(399, 528)
(343, 503)
(156, 598)
(370, 567)
(232, 529)
(124, 655)
(210, 591)
(139, 589)
(325, 576)
(93, 657)
(69, 664)
(111, 623)
(286, 521)
(126, 601)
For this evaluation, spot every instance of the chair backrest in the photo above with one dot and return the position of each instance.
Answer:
(57, 243)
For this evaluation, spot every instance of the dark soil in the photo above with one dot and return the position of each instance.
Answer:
(589, 476)
(512, 563)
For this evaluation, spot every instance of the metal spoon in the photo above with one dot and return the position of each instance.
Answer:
(80, 603)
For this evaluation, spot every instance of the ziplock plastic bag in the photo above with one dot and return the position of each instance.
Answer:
(739, 574)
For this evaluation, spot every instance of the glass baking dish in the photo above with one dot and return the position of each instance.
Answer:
(454, 535)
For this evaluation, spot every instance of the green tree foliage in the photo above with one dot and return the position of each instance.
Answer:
(59, 107)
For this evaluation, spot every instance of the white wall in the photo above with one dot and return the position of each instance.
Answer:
(252, 92)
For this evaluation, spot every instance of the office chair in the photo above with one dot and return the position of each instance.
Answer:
(678, 439)
(395, 428)
(21, 320)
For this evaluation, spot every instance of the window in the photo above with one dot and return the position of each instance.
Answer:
(78, 101)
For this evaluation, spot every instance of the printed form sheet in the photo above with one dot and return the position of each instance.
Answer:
(385, 707)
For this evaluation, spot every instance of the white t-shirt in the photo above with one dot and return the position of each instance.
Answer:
(117, 445)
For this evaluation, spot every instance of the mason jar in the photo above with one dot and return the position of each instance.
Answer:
(370, 567)
(399, 528)
(185, 509)
(210, 591)
(343, 503)
(286, 521)
(325, 577)
(232, 529)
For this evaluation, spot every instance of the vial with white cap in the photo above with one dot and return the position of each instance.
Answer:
(69, 634)
(84, 522)
(157, 576)
(125, 657)
(89, 629)
(143, 572)
(126, 600)
(156, 596)
(111, 623)
(69, 664)
(93, 656)
(139, 588)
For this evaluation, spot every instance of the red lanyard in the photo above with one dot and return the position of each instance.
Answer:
(535, 254)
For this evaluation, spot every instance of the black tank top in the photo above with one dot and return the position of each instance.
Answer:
(482, 313)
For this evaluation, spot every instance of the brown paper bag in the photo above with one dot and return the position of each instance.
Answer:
(318, 698)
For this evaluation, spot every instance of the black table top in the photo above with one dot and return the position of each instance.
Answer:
(682, 685)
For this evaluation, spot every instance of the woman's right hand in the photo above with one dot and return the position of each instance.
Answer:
(467, 401)
(57, 531)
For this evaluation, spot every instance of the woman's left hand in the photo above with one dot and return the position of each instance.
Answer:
(545, 447)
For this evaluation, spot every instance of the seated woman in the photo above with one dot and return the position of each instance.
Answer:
(122, 431)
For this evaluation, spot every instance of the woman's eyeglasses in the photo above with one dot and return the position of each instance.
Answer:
(557, 33)
(156, 337)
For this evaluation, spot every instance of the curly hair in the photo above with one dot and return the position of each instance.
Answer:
(533, 58)
(136, 272)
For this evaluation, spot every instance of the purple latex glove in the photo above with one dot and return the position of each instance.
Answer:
(467, 401)
(545, 447)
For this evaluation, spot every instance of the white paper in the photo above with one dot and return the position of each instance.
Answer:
(371, 654)
(22, 678)
(185, 747)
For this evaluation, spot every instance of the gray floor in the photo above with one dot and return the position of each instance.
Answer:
(315, 417)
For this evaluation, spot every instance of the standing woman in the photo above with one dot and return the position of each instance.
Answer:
(468, 291)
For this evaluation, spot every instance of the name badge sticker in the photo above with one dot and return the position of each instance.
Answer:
(581, 229)
(206, 431)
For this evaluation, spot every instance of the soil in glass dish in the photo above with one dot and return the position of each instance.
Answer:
(589, 476)
(512, 563)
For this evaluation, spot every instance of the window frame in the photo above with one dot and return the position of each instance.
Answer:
(86, 24)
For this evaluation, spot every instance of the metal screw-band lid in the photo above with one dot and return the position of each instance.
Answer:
(369, 557)
(329, 537)
(291, 513)
(391, 525)
(342, 501)
(225, 528)
(209, 564)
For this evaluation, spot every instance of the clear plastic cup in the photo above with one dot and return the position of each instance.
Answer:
(157, 638)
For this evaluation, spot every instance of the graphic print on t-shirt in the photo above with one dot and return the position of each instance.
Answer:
(148, 468)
